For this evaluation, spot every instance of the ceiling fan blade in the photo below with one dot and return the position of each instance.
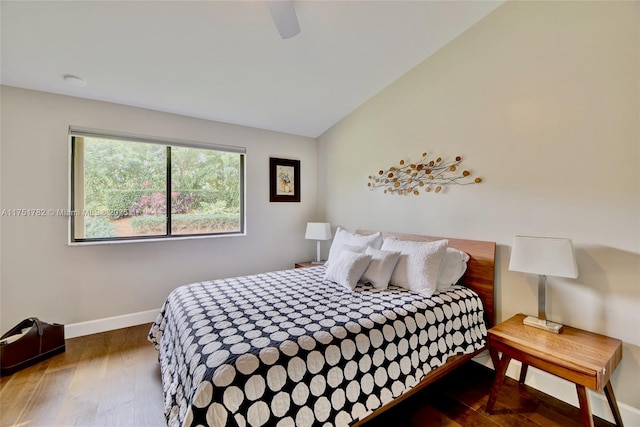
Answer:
(284, 16)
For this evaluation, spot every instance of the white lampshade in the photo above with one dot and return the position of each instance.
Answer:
(318, 231)
(543, 255)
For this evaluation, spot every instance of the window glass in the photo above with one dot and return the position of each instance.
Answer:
(205, 191)
(126, 189)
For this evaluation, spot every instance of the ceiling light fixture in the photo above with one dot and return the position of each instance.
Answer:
(74, 80)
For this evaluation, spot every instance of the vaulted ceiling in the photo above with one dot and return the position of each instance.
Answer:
(224, 60)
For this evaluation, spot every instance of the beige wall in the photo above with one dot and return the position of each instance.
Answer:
(42, 276)
(542, 100)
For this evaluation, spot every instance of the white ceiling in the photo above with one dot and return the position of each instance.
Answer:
(224, 60)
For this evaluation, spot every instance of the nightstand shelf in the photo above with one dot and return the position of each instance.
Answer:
(307, 264)
(586, 359)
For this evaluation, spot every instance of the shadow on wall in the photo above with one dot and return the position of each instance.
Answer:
(606, 291)
(602, 264)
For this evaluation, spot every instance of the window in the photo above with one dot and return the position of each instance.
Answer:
(133, 188)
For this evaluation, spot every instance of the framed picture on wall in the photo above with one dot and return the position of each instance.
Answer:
(284, 180)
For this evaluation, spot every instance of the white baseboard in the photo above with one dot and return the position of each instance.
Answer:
(110, 323)
(565, 391)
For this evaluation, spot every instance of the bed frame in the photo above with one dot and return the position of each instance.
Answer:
(479, 277)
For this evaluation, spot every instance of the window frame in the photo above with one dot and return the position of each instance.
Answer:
(75, 132)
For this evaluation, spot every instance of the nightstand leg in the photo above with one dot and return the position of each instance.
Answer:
(585, 406)
(613, 404)
(523, 373)
(497, 382)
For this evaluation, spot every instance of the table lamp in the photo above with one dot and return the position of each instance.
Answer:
(318, 231)
(544, 256)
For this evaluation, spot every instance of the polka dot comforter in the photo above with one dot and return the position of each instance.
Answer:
(288, 348)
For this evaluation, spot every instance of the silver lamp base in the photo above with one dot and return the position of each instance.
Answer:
(556, 328)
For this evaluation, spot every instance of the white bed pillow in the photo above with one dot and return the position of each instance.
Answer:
(452, 268)
(345, 237)
(380, 268)
(419, 264)
(356, 249)
(346, 270)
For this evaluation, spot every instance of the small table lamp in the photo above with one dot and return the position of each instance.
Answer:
(318, 231)
(544, 256)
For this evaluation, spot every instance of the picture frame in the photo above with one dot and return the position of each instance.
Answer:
(284, 180)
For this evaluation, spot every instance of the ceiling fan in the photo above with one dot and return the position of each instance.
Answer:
(284, 16)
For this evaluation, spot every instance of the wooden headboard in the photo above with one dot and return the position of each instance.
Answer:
(480, 275)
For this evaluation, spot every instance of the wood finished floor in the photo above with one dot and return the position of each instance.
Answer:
(112, 379)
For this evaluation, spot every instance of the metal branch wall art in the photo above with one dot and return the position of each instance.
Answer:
(425, 175)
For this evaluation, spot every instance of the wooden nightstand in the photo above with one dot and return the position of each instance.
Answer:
(307, 264)
(584, 358)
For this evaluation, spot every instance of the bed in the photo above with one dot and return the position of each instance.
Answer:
(288, 348)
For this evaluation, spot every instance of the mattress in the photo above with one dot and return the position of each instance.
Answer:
(288, 348)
